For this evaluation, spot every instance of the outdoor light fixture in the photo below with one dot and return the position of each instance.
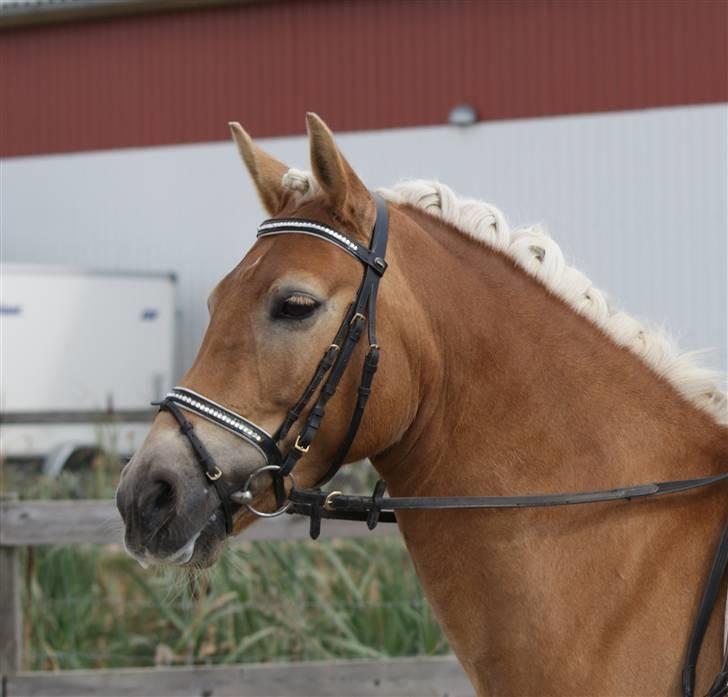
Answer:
(462, 115)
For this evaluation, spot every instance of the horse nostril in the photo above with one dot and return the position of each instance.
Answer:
(163, 496)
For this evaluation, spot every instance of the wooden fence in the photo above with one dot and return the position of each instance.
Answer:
(30, 523)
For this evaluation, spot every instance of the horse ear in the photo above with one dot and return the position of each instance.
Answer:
(346, 193)
(265, 171)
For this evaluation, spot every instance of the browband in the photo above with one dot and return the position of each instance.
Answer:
(366, 256)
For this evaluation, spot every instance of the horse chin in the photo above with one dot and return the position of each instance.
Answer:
(209, 545)
(200, 551)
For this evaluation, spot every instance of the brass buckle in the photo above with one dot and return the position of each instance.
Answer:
(358, 315)
(215, 475)
(328, 501)
(301, 449)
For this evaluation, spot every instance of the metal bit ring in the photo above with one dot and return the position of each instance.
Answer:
(245, 495)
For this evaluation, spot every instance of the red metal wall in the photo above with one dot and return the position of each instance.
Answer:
(362, 64)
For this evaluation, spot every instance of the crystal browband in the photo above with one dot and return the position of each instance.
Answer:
(326, 233)
(276, 225)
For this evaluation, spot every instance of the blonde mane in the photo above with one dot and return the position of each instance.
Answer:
(536, 253)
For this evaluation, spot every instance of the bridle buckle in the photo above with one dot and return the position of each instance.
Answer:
(329, 501)
(301, 448)
(214, 475)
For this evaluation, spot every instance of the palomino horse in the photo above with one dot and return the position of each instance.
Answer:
(502, 371)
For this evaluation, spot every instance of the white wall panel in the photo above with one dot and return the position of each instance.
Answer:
(639, 200)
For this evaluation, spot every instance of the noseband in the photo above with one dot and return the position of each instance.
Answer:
(317, 504)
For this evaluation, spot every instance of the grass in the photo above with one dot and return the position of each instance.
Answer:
(93, 607)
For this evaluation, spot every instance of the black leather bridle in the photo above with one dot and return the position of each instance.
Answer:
(317, 504)
(359, 314)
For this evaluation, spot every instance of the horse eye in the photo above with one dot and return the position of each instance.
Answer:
(296, 307)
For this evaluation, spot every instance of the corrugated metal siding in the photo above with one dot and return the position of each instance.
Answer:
(637, 200)
(362, 64)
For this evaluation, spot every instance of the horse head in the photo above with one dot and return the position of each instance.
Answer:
(284, 305)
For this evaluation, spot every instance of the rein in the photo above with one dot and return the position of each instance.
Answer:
(317, 504)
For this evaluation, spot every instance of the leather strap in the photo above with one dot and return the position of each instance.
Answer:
(368, 257)
(370, 286)
(212, 471)
(226, 418)
(325, 364)
(365, 388)
(346, 503)
(700, 626)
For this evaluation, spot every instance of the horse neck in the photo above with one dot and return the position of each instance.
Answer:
(520, 394)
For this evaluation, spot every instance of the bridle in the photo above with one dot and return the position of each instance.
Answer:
(330, 370)
(317, 504)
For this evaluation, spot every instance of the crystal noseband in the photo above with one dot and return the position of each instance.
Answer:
(219, 415)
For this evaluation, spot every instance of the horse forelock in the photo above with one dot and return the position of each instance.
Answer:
(536, 253)
(301, 184)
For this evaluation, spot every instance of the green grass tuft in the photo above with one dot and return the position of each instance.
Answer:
(93, 607)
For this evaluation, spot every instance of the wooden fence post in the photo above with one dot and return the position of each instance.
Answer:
(10, 610)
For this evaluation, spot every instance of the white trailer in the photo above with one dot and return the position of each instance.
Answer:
(82, 355)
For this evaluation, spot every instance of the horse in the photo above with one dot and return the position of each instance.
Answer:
(503, 370)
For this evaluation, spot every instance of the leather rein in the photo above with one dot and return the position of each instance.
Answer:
(317, 504)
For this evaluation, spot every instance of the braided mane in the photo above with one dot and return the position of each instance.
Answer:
(538, 255)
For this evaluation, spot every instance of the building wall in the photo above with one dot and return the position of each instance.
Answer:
(636, 199)
(366, 64)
